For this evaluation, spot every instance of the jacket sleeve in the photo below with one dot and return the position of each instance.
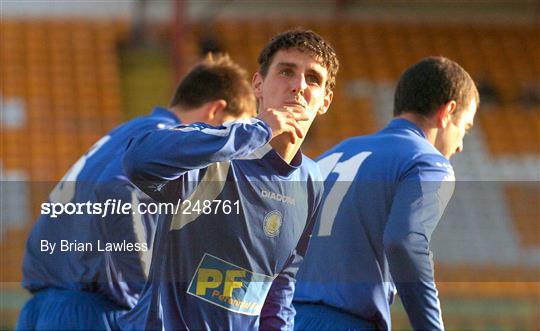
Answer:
(156, 158)
(417, 207)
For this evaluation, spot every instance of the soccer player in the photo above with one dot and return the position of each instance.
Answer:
(75, 281)
(234, 268)
(384, 195)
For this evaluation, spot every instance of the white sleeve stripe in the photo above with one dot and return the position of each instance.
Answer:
(258, 153)
(209, 188)
(210, 131)
(217, 132)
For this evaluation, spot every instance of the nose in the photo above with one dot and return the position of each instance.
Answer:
(299, 85)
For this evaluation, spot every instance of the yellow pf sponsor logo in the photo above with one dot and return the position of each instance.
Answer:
(229, 286)
(272, 223)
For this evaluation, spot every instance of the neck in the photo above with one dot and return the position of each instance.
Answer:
(182, 115)
(426, 124)
(284, 147)
(186, 116)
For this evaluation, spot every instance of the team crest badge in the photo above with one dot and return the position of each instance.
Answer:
(272, 223)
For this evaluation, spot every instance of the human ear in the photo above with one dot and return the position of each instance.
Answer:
(445, 113)
(216, 109)
(326, 103)
(256, 84)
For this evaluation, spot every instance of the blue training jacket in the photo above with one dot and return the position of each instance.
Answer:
(228, 256)
(81, 260)
(383, 196)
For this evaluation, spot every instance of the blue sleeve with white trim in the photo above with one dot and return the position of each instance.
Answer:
(157, 157)
(418, 204)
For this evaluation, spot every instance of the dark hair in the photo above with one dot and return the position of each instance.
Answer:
(305, 41)
(216, 77)
(431, 83)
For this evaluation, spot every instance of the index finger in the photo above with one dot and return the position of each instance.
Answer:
(299, 113)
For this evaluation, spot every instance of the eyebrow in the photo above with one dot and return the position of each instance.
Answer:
(286, 65)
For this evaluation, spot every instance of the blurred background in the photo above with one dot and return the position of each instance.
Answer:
(72, 70)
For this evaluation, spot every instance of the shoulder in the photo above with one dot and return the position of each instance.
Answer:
(348, 145)
(416, 154)
(313, 176)
(153, 122)
(432, 167)
(311, 169)
(142, 124)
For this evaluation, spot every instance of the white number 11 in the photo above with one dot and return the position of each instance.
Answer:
(346, 171)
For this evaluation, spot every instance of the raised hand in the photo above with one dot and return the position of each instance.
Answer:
(285, 120)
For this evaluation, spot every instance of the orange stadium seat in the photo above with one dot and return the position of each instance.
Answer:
(65, 72)
(523, 198)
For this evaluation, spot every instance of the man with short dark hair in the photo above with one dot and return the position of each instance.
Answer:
(76, 281)
(234, 269)
(384, 195)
